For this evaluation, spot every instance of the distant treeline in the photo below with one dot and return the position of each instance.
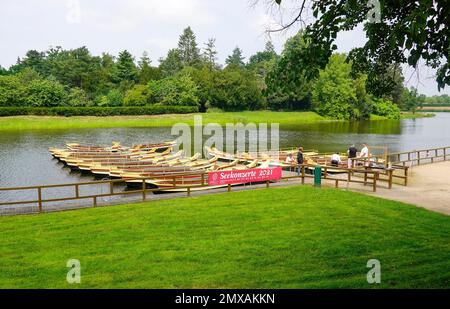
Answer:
(190, 76)
(442, 100)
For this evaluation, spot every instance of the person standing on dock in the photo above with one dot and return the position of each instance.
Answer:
(300, 159)
(365, 154)
(351, 153)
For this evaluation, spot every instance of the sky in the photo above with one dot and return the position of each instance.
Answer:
(154, 26)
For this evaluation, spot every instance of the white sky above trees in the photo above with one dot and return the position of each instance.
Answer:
(153, 26)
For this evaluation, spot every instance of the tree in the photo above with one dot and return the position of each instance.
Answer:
(288, 86)
(210, 54)
(126, 68)
(412, 100)
(187, 46)
(12, 91)
(236, 59)
(236, 89)
(334, 93)
(36, 61)
(78, 97)
(175, 90)
(140, 95)
(146, 71)
(397, 32)
(172, 64)
(45, 93)
(115, 97)
(265, 56)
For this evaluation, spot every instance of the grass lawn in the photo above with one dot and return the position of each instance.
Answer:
(285, 119)
(297, 237)
(45, 122)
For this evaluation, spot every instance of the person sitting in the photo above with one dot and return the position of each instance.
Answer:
(289, 159)
(335, 159)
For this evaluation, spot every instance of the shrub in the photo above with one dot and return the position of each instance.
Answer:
(386, 109)
(115, 98)
(12, 91)
(45, 93)
(140, 95)
(78, 97)
(97, 111)
(175, 90)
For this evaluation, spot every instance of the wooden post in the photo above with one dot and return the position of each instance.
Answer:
(418, 158)
(365, 175)
(303, 174)
(267, 184)
(203, 179)
(390, 174)
(189, 191)
(77, 191)
(229, 187)
(144, 187)
(337, 183)
(95, 201)
(111, 187)
(325, 173)
(375, 176)
(409, 156)
(406, 176)
(445, 154)
(40, 198)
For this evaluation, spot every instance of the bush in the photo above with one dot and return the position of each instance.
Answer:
(77, 97)
(140, 95)
(97, 111)
(115, 98)
(175, 90)
(386, 109)
(45, 93)
(12, 91)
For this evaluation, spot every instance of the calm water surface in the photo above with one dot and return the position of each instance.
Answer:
(25, 160)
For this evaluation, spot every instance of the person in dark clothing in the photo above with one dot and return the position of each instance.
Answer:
(300, 159)
(352, 151)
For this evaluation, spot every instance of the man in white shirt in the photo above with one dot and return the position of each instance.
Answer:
(335, 159)
(365, 154)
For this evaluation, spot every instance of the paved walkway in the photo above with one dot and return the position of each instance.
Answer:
(428, 187)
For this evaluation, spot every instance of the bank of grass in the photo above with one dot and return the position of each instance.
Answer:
(297, 237)
(43, 122)
(410, 115)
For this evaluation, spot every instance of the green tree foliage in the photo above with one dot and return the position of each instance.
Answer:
(146, 71)
(78, 97)
(236, 59)
(334, 93)
(126, 68)
(172, 64)
(405, 32)
(236, 89)
(412, 100)
(45, 93)
(12, 91)
(386, 108)
(175, 90)
(210, 54)
(115, 97)
(288, 86)
(187, 46)
(140, 95)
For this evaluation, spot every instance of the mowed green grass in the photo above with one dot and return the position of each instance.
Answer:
(46, 122)
(297, 237)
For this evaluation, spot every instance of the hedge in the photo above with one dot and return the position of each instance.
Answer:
(96, 111)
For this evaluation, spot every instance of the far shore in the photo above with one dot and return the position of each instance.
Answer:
(285, 119)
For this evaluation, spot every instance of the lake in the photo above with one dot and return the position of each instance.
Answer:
(25, 160)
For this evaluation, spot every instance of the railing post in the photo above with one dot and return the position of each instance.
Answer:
(391, 172)
(267, 184)
(144, 187)
(445, 154)
(365, 175)
(40, 198)
(375, 176)
(95, 201)
(229, 187)
(189, 191)
(77, 191)
(303, 174)
(406, 176)
(418, 158)
(337, 183)
(111, 187)
(203, 179)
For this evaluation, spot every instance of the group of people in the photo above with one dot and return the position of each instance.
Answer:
(352, 154)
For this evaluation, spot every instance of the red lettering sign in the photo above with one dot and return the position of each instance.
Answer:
(244, 176)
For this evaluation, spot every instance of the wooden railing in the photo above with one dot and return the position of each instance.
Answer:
(419, 156)
(369, 178)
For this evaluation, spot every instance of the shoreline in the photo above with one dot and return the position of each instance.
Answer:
(285, 119)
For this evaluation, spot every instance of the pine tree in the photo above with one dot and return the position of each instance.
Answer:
(235, 59)
(270, 48)
(126, 68)
(210, 53)
(187, 46)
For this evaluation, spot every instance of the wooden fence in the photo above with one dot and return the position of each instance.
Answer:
(368, 178)
(418, 157)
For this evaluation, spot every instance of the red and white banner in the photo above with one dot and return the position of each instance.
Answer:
(244, 176)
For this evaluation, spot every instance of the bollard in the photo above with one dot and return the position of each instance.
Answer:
(318, 176)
